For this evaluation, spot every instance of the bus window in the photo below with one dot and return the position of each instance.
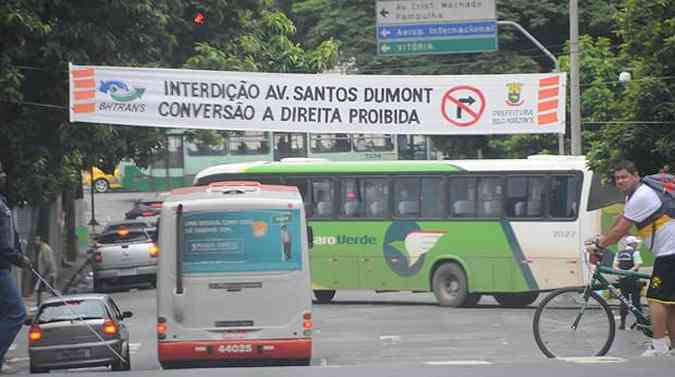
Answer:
(303, 187)
(432, 199)
(323, 197)
(412, 147)
(330, 143)
(490, 197)
(406, 197)
(564, 196)
(197, 148)
(377, 197)
(351, 198)
(248, 143)
(462, 197)
(525, 196)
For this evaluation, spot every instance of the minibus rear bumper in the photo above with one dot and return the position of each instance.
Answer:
(233, 350)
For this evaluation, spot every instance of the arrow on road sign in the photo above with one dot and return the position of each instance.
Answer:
(383, 13)
(470, 100)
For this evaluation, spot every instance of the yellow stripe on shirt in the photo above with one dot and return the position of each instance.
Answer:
(646, 232)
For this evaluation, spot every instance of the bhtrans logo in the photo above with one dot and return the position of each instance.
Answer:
(124, 97)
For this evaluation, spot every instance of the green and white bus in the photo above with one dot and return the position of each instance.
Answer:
(184, 159)
(462, 229)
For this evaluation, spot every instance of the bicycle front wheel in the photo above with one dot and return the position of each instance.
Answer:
(566, 324)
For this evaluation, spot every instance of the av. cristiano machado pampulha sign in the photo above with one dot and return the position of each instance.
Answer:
(318, 103)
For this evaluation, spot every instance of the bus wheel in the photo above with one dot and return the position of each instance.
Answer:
(472, 299)
(101, 185)
(516, 299)
(449, 285)
(324, 296)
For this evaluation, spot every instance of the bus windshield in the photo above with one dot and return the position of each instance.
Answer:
(242, 241)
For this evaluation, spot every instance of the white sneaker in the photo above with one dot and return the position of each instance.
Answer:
(651, 352)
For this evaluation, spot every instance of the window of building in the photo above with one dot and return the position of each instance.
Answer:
(412, 147)
(372, 143)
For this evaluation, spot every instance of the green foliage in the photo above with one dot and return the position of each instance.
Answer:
(647, 30)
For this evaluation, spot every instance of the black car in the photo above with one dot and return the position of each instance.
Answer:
(144, 209)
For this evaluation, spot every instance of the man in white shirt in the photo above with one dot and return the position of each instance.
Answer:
(643, 203)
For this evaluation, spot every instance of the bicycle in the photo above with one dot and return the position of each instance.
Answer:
(576, 321)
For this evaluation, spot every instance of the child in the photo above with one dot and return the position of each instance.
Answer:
(628, 258)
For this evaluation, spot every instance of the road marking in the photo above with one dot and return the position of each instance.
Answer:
(390, 339)
(12, 347)
(134, 347)
(593, 359)
(459, 362)
(18, 359)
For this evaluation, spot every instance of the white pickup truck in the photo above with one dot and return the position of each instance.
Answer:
(125, 257)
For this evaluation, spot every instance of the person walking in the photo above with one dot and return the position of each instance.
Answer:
(46, 266)
(643, 203)
(628, 259)
(12, 309)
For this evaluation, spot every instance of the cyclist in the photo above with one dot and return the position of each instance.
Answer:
(641, 204)
(628, 259)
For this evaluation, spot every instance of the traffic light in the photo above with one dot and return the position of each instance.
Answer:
(199, 18)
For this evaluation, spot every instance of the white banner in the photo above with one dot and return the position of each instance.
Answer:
(247, 101)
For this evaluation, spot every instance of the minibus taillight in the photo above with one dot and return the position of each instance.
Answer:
(35, 334)
(307, 320)
(161, 328)
(154, 251)
(98, 257)
(109, 327)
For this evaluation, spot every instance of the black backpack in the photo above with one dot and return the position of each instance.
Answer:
(664, 186)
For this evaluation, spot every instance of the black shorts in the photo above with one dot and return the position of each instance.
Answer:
(662, 284)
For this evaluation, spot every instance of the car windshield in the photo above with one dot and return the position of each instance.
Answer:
(119, 236)
(74, 309)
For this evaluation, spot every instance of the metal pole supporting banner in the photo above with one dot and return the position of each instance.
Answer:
(575, 92)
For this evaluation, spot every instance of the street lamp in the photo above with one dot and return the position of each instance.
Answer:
(93, 221)
(624, 77)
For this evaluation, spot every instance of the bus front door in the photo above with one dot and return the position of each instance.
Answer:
(289, 144)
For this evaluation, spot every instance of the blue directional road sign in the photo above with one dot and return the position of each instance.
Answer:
(412, 27)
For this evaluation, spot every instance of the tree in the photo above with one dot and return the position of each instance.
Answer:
(647, 104)
(352, 24)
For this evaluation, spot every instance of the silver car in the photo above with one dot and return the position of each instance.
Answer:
(86, 330)
(125, 257)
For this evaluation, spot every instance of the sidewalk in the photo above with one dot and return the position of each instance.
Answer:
(64, 275)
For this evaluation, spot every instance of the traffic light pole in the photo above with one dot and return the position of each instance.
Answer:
(556, 65)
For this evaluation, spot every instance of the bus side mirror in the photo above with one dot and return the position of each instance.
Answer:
(310, 237)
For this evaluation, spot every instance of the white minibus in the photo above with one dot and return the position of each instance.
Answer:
(234, 282)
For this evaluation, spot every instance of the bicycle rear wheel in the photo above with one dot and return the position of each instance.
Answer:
(554, 320)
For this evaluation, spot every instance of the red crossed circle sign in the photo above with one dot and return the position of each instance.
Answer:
(458, 104)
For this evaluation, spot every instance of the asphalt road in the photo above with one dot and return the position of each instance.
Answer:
(390, 334)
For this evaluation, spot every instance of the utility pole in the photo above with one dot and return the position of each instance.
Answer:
(575, 92)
